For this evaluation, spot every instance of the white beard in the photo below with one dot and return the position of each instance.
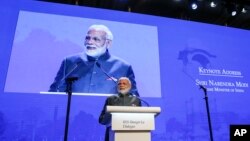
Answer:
(123, 92)
(98, 51)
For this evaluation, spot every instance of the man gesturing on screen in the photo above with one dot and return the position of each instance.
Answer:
(96, 69)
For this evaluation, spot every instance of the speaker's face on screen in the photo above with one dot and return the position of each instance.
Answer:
(95, 43)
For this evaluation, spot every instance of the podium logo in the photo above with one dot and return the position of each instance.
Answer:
(239, 132)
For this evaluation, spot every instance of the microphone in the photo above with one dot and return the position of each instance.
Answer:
(200, 85)
(68, 78)
(112, 78)
(203, 88)
(145, 102)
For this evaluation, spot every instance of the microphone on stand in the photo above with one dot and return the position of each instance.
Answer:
(203, 88)
(69, 81)
(69, 77)
(200, 85)
(207, 105)
(112, 78)
(143, 101)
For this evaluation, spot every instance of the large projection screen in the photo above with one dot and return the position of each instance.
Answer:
(39, 47)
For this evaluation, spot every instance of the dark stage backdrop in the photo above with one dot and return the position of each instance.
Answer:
(170, 59)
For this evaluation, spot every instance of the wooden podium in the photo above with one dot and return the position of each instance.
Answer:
(133, 123)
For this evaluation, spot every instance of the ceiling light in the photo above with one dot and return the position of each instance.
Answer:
(232, 9)
(233, 13)
(194, 6)
(213, 4)
(244, 10)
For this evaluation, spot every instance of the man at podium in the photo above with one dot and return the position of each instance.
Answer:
(124, 98)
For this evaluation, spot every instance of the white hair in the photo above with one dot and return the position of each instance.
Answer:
(127, 89)
(104, 28)
(125, 78)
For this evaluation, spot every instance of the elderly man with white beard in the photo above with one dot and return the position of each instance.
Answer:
(124, 98)
(96, 69)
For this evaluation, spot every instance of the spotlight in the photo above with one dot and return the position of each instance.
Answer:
(213, 4)
(244, 10)
(234, 12)
(232, 8)
(193, 4)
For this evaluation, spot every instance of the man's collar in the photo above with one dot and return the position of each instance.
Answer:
(123, 95)
(105, 56)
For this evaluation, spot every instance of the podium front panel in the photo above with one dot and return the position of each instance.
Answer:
(132, 136)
